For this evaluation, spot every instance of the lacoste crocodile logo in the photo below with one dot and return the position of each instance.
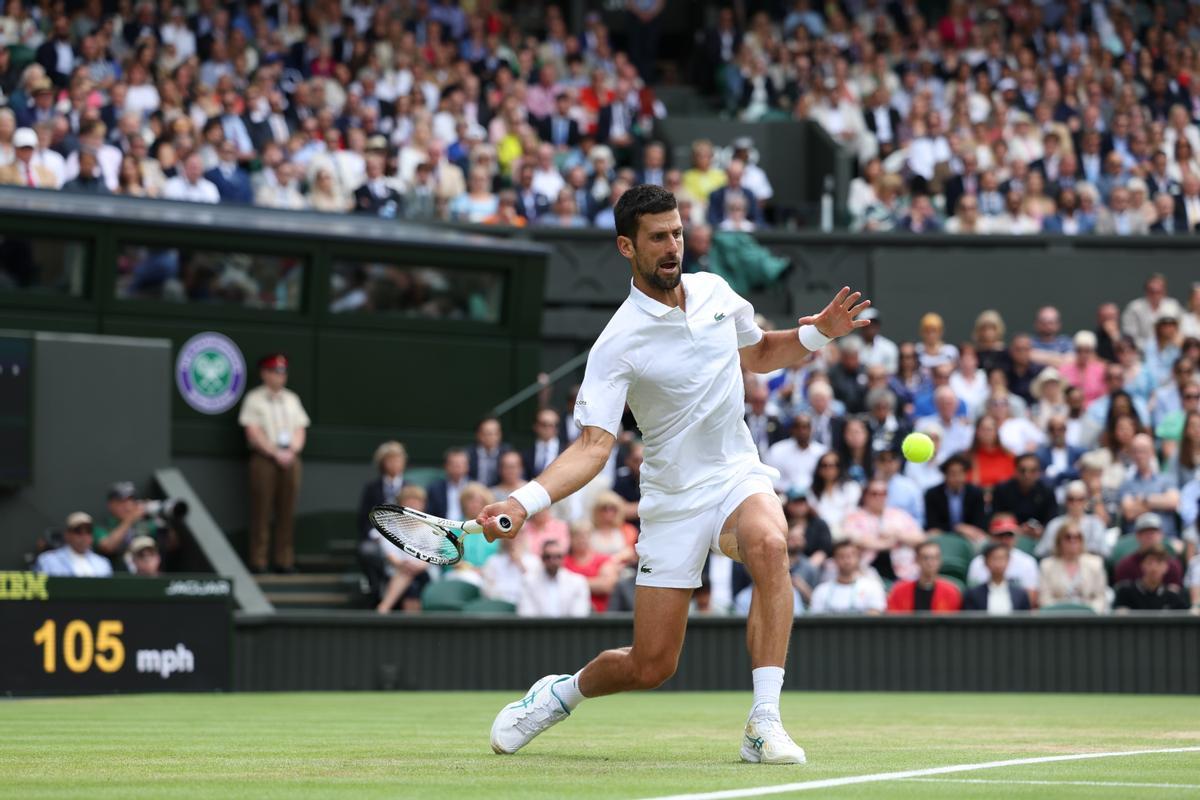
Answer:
(719, 316)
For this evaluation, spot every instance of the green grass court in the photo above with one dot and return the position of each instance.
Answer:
(365, 745)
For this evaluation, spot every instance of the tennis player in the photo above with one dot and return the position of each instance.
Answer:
(675, 351)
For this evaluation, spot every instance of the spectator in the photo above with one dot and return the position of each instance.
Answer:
(485, 453)
(1119, 218)
(1049, 345)
(818, 542)
(283, 191)
(877, 349)
(23, 171)
(600, 570)
(506, 211)
(966, 218)
(610, 534)
(390, 460)
(885, 536)
(855, 450)
(1149, 532)
(406, 576)
(1020, 369)
(276, 426)
(903, 492)
(703, 178)
(928, 591)
(796, 457)
(833, 495)
(1168, 397)
(1146, 490)
(128, 520)
(991, 462)
(1180, 436)
(997, 594)
(553, 591)
(1073, 575)
(325, 194)
(766, 429)
(956, 506)
(512, 475)
(232, 182)
(1137, 320)
(1050, 400)
(1021, 568)
(931, 350)
(851, 591)
(191, 186)
(476, 549)
(147, 562)
(719, 200)
(969, 380)
(1153, 590)
(479, 203)
(957, 432)
(445, 493)
(564, 213)
(74, 559)
(375, 196)
(505, 571)
(89, 181)
(544, 527)
(1027, 497)
(1058, 458)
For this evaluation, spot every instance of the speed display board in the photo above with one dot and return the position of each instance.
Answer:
(127, 634)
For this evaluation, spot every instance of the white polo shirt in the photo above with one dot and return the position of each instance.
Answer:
(681, 375)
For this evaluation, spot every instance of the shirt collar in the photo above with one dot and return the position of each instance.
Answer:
(648, 304)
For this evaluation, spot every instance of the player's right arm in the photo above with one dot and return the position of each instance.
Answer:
(567, 474)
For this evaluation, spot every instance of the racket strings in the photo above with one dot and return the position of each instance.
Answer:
(416, 537)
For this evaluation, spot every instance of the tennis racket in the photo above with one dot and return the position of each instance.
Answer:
(424, 536)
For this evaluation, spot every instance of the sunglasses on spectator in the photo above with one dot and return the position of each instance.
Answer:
(1192, 396)
(877, 493)
(1075, 497)
(552, 557)
(80, 529)
(1072, 536)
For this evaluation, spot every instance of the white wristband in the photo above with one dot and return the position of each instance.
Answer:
(533, 496)
(812, 339)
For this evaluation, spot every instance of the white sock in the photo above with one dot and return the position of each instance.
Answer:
(768, 683)
(568, 691)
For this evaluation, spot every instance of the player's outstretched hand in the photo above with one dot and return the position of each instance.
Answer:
(841, 315)
(487, 518)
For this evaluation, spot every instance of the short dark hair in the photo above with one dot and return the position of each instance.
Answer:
(992, 547)
(927, 544)
(1027, 457)
(959, 459)
(843, 544)
(645, 198)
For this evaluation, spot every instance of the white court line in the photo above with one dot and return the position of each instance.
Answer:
(1114, 784)
(830, 783)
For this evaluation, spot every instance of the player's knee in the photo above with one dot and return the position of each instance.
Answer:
(654, 673)
(770, 548)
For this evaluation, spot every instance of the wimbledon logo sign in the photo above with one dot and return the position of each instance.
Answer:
(210, 373)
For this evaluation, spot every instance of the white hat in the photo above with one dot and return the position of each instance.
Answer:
(25, 137)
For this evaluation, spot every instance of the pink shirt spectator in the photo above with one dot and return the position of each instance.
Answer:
(544, 528)
(539, 99)
(870, 530)
(1089, 379)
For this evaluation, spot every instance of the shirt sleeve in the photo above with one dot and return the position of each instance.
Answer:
(250, 413)
(748, 332)
(601, 398)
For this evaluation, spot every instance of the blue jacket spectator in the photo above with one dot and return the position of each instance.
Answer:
(75, 559)
(232, 182)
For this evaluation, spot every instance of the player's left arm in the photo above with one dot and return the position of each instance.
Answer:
(779, 349)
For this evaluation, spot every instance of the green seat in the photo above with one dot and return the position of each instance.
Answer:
(955, 567)
(448, 595)
(1125, 545)
(485, 605)
(954, 546)
(1068, 608)
(1026, 544)
(422, 476)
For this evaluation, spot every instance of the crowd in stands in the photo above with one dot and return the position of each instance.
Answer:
(132, 538)
(1066, 474)
(1063, 116)
(416, 110)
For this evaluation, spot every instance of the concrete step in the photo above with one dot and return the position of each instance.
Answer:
(309, 599)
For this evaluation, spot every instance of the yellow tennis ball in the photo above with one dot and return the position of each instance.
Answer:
(917, 447)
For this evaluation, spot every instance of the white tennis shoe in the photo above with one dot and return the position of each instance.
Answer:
(517, 723)
(765, 740)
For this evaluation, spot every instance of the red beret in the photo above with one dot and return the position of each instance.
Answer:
(273, 361)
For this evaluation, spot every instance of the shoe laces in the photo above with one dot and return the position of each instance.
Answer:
(770, 726)
(533, 718)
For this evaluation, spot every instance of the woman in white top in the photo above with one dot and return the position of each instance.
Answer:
(1073, 575)
(1047, 389)
(833, 494)
(862, 189)
(932, 350)
(1091, 526)
(1189, 326)
(968, 381)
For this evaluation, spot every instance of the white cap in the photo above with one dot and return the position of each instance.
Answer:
(25, 137)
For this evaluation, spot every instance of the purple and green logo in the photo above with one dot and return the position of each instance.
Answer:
(210, 373)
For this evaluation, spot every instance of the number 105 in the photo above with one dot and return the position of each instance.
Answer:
(80, 649)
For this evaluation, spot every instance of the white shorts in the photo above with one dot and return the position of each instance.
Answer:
(671, 554)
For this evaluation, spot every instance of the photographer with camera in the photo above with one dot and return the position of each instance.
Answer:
(130, 518)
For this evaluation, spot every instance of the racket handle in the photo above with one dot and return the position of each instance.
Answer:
(503, 521)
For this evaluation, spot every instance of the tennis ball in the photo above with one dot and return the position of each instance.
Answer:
(917, 447)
